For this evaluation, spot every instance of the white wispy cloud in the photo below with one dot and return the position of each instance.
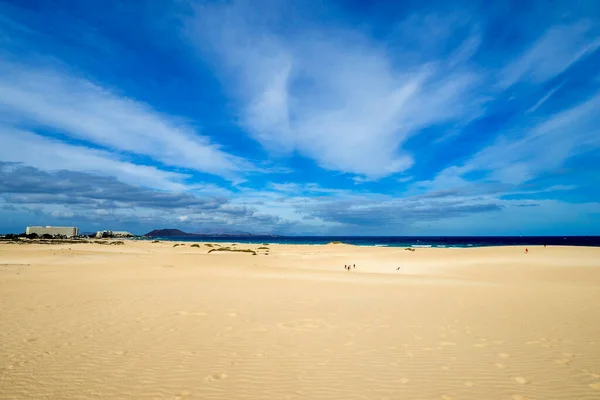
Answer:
(41, 97)
(544, 146)
(555, 51)
(51, 155)
(544, 99)
(529, 150)
(332, 95)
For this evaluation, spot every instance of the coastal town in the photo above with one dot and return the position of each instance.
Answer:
(64, 232)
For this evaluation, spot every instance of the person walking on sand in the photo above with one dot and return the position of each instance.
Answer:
(354, 266)
(526, 250)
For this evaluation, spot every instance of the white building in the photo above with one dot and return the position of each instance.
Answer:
(68, 231)
(101, 234)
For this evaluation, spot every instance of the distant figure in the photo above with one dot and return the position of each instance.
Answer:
(526, 250)
(345, 266)
(398, 269)
(354, 266)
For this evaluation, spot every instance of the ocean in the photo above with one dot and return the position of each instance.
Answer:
(404, 241)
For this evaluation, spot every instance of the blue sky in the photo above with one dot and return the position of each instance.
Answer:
(311, 117)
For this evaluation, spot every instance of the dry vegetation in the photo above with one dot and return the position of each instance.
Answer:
(234, 250)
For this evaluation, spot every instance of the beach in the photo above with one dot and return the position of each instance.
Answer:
(147, 320)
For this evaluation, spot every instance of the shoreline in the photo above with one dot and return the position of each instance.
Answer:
(260, 243)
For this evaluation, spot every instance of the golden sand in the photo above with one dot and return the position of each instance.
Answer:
(150, 321)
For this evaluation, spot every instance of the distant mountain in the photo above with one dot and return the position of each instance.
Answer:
(179, 233)
(167, 232)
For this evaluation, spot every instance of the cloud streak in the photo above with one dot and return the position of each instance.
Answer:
(47, 154)
(47, 98)
(555, 51)
(331, 94)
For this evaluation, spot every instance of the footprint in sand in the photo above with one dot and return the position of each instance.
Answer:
(563, 361)
(446, 397)
(595, 386)
(500, 365)
(304, 325)
(183, 395)
(521, 380)
(198, 313)
(503, 355)
(233, 314)
(447, 344)
(469, 384)
(216, 377)
(519, 397)
(445, 368)
(404, 381)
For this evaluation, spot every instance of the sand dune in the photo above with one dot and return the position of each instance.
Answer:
(150, 321)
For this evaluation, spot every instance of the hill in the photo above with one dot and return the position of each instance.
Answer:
(179, 233)
(167, 233)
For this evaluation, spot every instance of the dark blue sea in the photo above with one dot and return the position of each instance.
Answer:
(405, 241)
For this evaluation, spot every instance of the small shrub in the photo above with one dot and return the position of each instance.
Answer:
(265, 244)
(208, 244)
(176, 244)
(195, 245)
(156, 241)
(263, 248)
(233, 250)
(336, 242)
